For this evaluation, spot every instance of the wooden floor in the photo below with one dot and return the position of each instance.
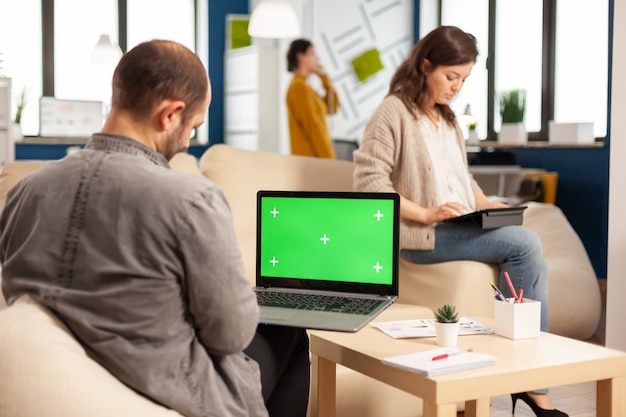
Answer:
(577, 400)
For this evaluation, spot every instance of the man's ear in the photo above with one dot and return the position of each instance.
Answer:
(170, 111)
(426, 66)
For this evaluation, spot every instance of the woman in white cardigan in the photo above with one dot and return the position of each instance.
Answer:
(412, 145)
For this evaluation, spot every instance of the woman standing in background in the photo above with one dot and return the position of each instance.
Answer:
(306, 110)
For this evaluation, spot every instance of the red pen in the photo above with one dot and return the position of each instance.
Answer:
(508, 279)
(521, 293)
(447, 355)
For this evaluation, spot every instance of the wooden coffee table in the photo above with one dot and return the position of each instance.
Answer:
(522, 365)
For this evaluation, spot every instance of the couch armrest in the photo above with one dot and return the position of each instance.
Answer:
(44, 371)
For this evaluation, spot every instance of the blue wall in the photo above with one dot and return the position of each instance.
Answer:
(217, 41)
(582, 192)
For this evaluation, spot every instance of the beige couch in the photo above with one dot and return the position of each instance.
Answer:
(241, 173)
(27, 327)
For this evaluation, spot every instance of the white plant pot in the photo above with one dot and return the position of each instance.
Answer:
(472, 137)
(15, 132)
(447, 333)
(513, 134)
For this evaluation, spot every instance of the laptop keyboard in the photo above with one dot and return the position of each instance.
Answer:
(318, 302)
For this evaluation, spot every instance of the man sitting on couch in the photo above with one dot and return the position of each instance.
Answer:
(141, 262)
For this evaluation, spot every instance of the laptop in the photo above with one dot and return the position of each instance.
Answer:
(326, 260)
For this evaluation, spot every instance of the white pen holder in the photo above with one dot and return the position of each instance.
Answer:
(517, 320)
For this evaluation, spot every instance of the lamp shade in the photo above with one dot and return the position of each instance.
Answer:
(105, 52)
(274, 19)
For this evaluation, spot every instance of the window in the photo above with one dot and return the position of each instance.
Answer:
(158, 19)
(20, 56)
(581, 65)
(66, 71)
(75, 76)
(556, 51)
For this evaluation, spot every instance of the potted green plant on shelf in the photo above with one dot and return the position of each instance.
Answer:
(446, 325)
(512, 113)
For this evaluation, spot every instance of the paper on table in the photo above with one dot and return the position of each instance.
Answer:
(402, 329)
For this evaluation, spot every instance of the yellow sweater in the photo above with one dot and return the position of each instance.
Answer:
(307, 113)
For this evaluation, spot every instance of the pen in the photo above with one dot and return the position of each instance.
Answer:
(447, 355)
(521, 293)
(499, 294)
(508, 279)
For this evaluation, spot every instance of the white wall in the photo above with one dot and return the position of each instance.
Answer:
(616, 263)
(340, 31)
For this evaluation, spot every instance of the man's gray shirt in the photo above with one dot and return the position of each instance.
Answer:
(142, 264)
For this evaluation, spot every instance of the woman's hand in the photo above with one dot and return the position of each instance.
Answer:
(445, 211)
(320, 71)
(411, 211)
(483, 202)
(493, 204)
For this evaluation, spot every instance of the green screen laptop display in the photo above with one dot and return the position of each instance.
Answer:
(339, 237)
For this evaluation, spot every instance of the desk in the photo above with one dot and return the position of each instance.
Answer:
(522, 365)
(502, 172)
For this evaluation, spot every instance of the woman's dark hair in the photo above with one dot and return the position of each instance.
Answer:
(158, 70)
(299, 46)
(446, 45)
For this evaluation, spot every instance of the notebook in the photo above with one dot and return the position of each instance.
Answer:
(493, 218)
(423, 363)
(337, 253)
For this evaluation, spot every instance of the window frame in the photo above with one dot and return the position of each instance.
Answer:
(200, 26)
(47, 38)
(548, 69)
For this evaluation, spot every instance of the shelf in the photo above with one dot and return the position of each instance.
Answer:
(532, 144)
(37, 140)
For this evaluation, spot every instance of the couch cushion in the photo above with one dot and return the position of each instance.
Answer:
(241, 173)
(464, 284)
(44, 371)
(575, 300)
(185, 162)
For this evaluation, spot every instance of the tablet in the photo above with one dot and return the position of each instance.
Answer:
(493, 217)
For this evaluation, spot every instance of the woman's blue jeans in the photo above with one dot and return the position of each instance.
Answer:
(516, 249)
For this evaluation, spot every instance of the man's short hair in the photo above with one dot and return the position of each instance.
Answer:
(158, 70)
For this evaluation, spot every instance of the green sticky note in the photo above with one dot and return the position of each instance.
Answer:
(239, 33)
(367, 64)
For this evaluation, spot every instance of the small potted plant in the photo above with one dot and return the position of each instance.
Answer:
(446, 325)
(512, 112)
(472, 135)
(16, 129)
